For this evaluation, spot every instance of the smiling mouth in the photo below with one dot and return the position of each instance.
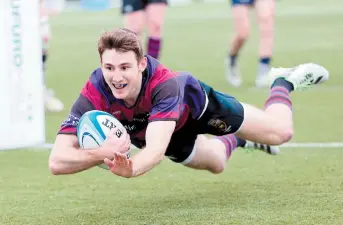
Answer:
(119, 86)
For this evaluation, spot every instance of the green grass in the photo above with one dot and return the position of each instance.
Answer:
(300, 186)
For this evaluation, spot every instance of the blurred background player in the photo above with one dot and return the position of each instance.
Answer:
(265, 10)
(141, 14)
(51, 103)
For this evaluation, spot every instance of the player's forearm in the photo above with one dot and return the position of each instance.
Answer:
(145, 160)
(72, 160)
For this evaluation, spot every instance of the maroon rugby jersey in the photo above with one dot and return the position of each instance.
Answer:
(165, 95)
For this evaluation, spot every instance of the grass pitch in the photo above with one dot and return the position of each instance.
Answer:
(300, 186)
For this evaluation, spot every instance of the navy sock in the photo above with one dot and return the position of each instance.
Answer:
(233, 59)
(265, 60)
(241, 142)
(281, 82)
(44, 58)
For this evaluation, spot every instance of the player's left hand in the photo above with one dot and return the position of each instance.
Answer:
(120, 165)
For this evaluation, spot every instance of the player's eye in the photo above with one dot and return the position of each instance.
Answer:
(124, 68)
(110, 68)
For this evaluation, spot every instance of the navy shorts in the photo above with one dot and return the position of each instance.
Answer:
(224, 115)
(242, 2)
(129, 6)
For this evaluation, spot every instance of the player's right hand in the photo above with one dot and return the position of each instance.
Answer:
(113, 144)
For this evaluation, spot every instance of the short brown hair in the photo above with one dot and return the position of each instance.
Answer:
(122, 40)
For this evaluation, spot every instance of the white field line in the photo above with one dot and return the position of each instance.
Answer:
(288, 145)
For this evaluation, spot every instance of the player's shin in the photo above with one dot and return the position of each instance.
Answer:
(279, 104)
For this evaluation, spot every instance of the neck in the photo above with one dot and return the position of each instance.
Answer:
(130, 102)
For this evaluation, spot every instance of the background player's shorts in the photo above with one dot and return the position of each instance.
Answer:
(242, 2)
(224, 115)
(129, 6)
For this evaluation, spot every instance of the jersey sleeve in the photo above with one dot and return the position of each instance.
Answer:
(166, 101)
(80, 106)
(89, 99)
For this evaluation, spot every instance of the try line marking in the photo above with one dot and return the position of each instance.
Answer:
(288, 145)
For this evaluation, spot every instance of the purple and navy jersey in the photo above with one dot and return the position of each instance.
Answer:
(165, 95)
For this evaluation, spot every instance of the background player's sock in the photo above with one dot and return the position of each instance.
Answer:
(231, 143)
(44, 58)
(264, 66)
(154, 46)
(232, 60)
(265, 60)
(232, 71)
(279, 93)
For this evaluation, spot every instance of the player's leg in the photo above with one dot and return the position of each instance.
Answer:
(265, 10)
(155, 19)
(200, 152)
(52, 103)
(274, 125)
(134, 16)
(212, 154)
(240, 13)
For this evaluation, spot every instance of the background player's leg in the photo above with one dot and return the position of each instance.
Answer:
(134, 16)
(240, 13)
(155, 20)
(265, 10)
(52, 103)
(135, 21)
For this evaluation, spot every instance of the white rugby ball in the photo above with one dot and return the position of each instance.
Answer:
(93, 128)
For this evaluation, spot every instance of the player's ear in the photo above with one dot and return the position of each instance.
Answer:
(142, 64)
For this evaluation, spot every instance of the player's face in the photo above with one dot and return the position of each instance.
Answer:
(123, 74)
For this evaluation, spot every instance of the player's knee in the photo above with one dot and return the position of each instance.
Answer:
(266, 22)
(284, 135)
(287, 135)
(211, 157)
(266, 16)
(243, 33)
(135, 25)
(154, 27)
(218, 168)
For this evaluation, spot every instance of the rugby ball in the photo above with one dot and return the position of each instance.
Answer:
(93, 128)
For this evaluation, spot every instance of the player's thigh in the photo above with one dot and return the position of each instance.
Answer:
(226, 115)
(261, 127)
(265, 10)
(134, 15)
(240, 14)
(155, 11)
(208, 154)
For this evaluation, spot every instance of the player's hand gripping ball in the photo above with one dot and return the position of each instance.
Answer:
(94, 127)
